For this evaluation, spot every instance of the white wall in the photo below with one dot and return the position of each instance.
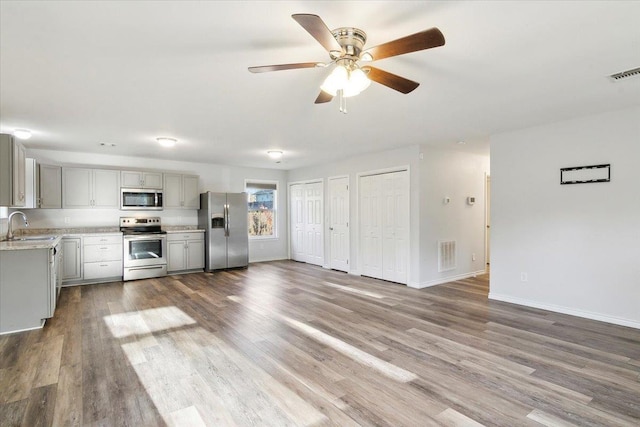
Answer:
(439, 172)
(399, 158)
(457, 175)
(217, 178)
(579, 245)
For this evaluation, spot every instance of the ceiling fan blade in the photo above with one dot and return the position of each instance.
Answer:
(390, 80)
(419, 41)
(323, 97)
(318, 29)
(265, 68)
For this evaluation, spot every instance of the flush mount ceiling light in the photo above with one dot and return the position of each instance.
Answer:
(275, 155)
(22, 133)
(166, 142)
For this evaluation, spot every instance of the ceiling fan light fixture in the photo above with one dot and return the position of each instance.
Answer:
(337, 80)
(166, 142)
(358, 80)
(351, 82)
(366, 56)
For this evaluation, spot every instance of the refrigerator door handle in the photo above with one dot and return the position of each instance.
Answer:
(226, 220)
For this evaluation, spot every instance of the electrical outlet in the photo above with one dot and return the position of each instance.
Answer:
(523, 277)
(473, 257)
(67, 220)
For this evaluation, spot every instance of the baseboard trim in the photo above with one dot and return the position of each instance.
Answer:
(566, 310)
(267, 260)
(443, 280)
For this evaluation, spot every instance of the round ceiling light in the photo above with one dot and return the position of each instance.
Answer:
(22, 133)
(275, 154)
(166, 142)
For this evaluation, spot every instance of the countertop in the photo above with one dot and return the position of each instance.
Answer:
(59, 233)
(170, 230)
(13, 245)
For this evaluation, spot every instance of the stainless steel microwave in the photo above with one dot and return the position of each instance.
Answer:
(140, 199)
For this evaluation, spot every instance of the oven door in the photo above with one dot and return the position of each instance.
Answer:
(145, 250)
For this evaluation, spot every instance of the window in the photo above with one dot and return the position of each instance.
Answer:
(262, 196)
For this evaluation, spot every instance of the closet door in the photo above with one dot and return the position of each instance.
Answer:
(395, 230)
(339, 223)
(314, 239)
(384, 226)
(370, 226)
(297, 222)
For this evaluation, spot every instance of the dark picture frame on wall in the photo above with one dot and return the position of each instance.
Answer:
(585, 174)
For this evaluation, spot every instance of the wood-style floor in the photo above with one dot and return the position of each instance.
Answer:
(288, 344)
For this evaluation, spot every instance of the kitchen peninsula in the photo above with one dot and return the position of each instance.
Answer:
(29, 281)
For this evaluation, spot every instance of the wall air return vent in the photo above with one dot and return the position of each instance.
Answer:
(446, 255)
(625, 74)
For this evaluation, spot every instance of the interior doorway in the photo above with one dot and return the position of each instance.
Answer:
(306, 222)
(487, 234)
(339, 223)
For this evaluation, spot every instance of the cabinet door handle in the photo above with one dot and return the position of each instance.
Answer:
(104, 249)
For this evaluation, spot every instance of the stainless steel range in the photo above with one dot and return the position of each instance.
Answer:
(145, 248)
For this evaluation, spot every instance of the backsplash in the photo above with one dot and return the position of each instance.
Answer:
(74, 218)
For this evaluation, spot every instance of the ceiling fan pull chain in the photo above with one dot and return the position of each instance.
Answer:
(343, 101)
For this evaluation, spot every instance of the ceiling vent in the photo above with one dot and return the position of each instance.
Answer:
(625, 74)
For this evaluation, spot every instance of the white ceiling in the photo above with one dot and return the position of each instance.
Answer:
(81, 73)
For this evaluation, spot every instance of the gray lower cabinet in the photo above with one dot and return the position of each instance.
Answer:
(185, 251)
(71, 259)
(91, 258)
(102, 257)
(26, 284)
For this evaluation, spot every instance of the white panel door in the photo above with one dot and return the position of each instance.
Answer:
(313, 215)
(297, 222)
(370, 226)
(339, 223)
(388, 227)
(384, 226)
(401, 226)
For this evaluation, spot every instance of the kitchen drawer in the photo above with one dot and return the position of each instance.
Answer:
(99, 270)
(103, 252)
(187, 235)
(101, 240)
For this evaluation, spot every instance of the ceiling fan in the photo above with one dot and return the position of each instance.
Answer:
(351, 74)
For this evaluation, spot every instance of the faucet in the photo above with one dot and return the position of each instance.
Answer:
(10, 228)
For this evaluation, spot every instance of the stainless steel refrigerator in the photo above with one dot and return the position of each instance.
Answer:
(224, 218)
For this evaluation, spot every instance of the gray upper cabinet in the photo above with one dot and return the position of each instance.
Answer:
(139, 179)
(181, 191)
(90, 188)
(12, 172)
(49, 187)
